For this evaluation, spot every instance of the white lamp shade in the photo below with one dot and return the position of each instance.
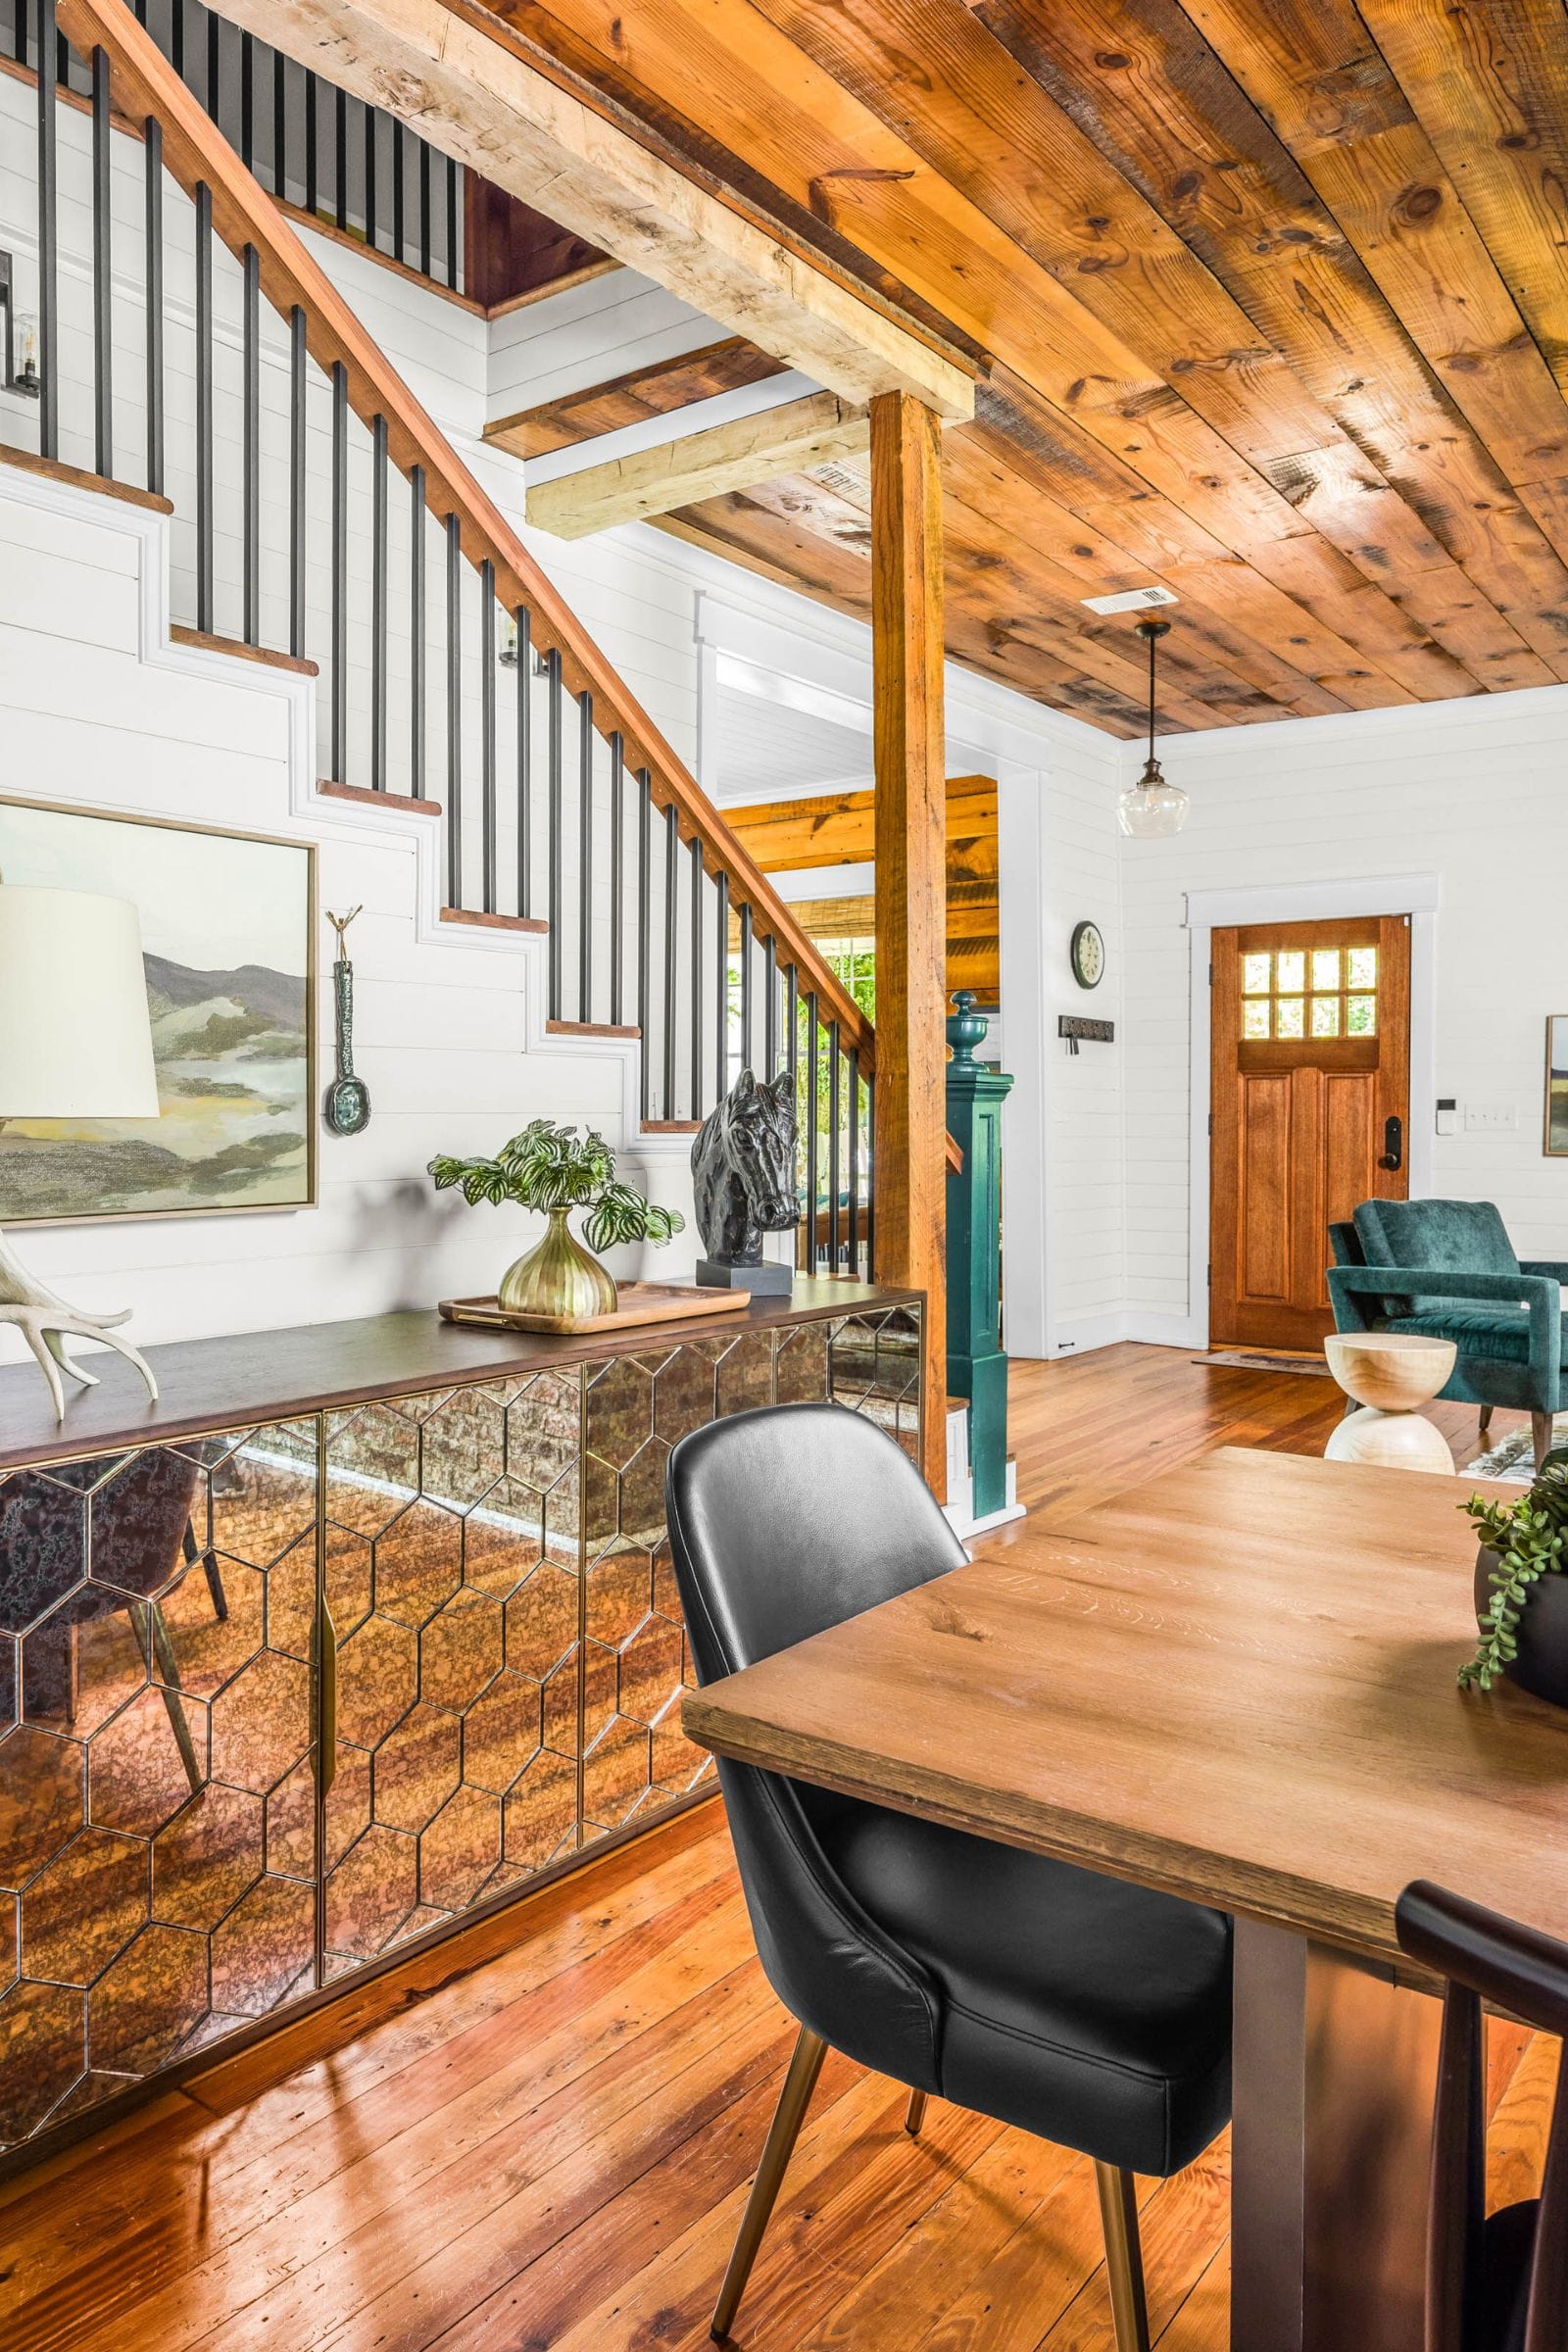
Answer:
(76, 1040)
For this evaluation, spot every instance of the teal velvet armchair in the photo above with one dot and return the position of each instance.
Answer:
(1446, 1269)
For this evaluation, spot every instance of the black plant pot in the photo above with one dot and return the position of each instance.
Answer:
(1542, 1665)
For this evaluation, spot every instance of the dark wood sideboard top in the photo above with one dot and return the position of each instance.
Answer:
(275, 1375)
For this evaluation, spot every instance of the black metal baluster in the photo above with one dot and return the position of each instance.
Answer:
(852, 1060)
(671, 924)
(792, 1024)
(313, 134)
(554, 909)
(296, 481)
(645, 847)
(834, 1108)
(454, 259)
(215, 58)
(399, 168)
(722, 988)
(417, 628)
(697, 979)
(247, 99)
(487, 733)
(177, 46)
(870, 1177)
(769, 1009)
(102, 284)
(19, 32)
(813, 1040)
(279, 126)
(48, 233)
(153, 166)
(340, 571)
(585, 856)
(204, 405)
(454, 807)
(378, 499)
(340, 158)
(746, 989)
(251, 461)
(424, 208)
(370, 176)
(617, 860)
(524, 760)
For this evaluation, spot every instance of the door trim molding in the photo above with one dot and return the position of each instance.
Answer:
(1419, 896)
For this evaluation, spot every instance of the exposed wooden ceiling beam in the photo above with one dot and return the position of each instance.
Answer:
(454, 72)
(700, 465)
(656, 390)
(731, 67)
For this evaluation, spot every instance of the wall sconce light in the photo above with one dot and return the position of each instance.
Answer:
(507, 655)
(21, 338)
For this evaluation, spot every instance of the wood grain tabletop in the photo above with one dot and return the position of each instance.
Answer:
(1235, 1682)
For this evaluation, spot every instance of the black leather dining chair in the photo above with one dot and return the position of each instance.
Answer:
(1094, 2013)
(1495, 2282)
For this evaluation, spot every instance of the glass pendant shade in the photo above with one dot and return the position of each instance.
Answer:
(1151, 809)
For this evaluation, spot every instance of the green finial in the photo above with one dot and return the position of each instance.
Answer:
(967, 1028)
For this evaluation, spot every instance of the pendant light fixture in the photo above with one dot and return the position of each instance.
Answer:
(1151, 809)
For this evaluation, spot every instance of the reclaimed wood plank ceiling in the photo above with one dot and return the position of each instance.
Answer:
(1272, 297)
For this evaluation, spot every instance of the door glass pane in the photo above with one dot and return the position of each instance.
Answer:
(1290, 1017)
(1325, 970)
(1361, 968)
(1255, 1017)
(1254, 975)
(1361, 1016)
(1325, 1016)
(1291, 966)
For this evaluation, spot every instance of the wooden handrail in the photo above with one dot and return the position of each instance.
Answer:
(243, 214)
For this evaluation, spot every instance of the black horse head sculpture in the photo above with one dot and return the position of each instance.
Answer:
(743, 1168)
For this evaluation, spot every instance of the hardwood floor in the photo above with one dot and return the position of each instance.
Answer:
(539, 2137)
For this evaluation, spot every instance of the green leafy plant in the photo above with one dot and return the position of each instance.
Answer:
(1528, 1538)
(547, 1167)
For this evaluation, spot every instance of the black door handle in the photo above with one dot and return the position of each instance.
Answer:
(1393, 1145)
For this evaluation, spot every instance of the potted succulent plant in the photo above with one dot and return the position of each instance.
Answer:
(557, 1169)
(1521, 1594)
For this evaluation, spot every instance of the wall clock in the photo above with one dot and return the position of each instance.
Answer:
(1088, 954)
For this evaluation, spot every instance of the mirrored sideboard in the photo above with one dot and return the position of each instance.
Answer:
(361, 1631)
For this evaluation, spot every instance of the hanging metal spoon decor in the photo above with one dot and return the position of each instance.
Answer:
(347, 1105)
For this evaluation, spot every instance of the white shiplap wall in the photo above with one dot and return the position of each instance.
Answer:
(99, 711)
(1475, 793)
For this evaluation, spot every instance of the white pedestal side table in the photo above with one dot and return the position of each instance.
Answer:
(1390, 1375)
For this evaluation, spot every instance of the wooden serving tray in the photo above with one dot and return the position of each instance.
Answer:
(635, 1303)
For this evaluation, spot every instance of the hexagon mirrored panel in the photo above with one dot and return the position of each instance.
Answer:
(157, 1805)
(452, 1542)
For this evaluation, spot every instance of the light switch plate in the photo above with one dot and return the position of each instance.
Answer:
(1491, 1118)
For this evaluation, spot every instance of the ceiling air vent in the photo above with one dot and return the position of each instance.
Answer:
(1131, 600)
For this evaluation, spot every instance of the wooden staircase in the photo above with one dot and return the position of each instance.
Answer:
(452, 677)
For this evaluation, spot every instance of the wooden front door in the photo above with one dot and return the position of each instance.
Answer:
(1311, 1098)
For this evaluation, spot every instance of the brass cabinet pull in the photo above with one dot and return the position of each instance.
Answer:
(326, 1677)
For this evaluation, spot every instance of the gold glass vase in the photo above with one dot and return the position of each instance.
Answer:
(557, 1277)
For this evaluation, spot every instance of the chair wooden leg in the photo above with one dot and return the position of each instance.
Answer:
(1540, 1430)
(1486, 1419)
(915, 2116)
(782, 2133)
(1124, 2261)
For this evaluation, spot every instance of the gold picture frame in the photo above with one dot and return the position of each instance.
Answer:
(231, 1063)
(1555, 1143)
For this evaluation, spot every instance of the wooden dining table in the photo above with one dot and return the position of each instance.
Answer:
(1236, 1684)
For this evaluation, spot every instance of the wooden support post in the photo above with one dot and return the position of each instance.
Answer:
(907, 652)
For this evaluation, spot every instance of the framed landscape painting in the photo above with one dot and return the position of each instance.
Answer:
(1557, 1083)
(227, 934)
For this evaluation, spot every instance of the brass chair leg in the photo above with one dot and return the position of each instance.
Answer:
(1124, 2261)
(778, 2147)
(915, 2116)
